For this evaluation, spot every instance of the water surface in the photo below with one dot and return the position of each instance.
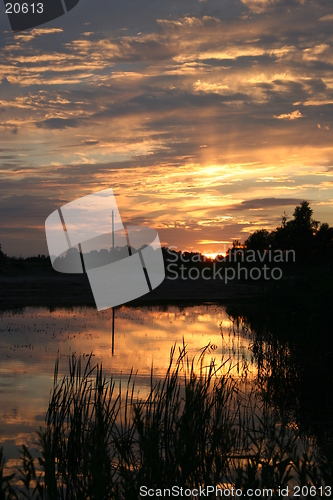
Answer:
(31, 340)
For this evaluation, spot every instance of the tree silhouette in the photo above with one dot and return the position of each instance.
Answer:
(259, 240)
(303, 217)
(3, 257)
(300, 231)
(301, 234)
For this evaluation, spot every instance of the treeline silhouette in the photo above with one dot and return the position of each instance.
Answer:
(296, 243)
(310, 239)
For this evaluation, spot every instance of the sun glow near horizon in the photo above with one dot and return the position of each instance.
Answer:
(204, 129)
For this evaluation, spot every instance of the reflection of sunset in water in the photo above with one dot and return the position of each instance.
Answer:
(31, 340)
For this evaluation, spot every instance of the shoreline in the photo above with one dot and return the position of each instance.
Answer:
(55, 290)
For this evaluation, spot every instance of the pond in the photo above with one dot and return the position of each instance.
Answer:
(266, 405)
(32, 339)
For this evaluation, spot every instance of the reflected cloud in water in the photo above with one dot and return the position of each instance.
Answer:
(31, 340)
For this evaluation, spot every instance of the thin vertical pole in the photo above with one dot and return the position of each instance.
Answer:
(112, 229)
(112, 343)
(112, 331)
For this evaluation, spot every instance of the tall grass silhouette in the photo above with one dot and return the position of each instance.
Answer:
(196, 427)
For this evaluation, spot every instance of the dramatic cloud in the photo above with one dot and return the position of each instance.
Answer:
(290, 116)
(191, 111)
(262, 203)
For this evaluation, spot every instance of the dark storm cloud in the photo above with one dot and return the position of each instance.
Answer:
(58, 123)
(265, 203)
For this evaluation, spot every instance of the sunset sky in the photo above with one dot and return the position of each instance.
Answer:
(208, 119)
